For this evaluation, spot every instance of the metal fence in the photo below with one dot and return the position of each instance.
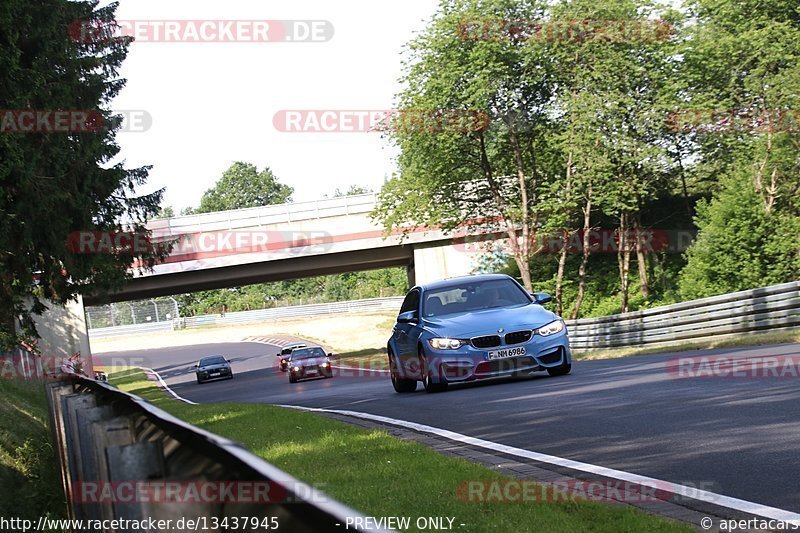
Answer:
(259, 315)
(142, 312)
(775, 308)
(117, 454)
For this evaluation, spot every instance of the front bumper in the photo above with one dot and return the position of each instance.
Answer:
(305, 373)
(208, 375)
(470, 364)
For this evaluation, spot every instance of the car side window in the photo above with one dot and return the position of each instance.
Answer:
(411, 303)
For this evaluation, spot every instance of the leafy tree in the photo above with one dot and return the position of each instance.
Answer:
(351, 190)
(740, 245)
(485, 173)
(743, 61)
(241, 186)
(166, 212)
(54, 184)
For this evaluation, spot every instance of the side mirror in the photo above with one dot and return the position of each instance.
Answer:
(197, 366)
(409, 317)
(330, 354)
(542, 297)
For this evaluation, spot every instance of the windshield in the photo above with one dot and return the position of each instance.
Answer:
(212, 360)
(306, 353)
(473, 296)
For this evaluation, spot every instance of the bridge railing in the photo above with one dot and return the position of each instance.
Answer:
(261, 216)
(121, 458)
(774, 308)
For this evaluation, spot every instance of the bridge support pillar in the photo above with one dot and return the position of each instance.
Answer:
(63, 332)
(437, 261)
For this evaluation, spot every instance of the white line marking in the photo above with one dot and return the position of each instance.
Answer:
(682, 490)
(163, 385)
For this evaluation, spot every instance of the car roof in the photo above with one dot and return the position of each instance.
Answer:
(311, 346)
(212, 356)
(449, 282)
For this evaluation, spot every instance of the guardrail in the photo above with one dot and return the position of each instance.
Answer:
(122, 458)
(260, 216)
(258, 315)
(775, 308)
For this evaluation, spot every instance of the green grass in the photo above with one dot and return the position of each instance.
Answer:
(371, 358)
(751, 339)
(30, 484)
(380, 475)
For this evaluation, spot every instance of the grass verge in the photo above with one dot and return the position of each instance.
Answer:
(754, 339)
(382, 476)
(30, 484)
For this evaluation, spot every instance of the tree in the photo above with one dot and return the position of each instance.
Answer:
(241, 186)
(740, 245)
(166, 212)
(743, 73)
(54, 184)
(481, 173)
(351, 190)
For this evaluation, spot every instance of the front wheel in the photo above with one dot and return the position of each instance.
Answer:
(427, 377)
(400, 385)
(561, 370)
(292, 379)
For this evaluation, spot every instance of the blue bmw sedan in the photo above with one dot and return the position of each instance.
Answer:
(474, 327)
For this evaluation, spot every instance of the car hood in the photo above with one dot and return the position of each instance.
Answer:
(311, 361)
(488, 321)
(218, 366)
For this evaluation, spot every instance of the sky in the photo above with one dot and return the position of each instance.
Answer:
(213, 103)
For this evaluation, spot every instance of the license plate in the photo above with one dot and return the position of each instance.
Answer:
(311, 372)
(214, 374)
(509, 352)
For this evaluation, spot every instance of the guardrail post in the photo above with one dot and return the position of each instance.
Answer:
(135, 463)
(105, 434)
(55, 391)
(71, 403)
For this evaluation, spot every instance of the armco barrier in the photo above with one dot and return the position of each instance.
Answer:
(258, 315)
(106, 439)
(775, 308)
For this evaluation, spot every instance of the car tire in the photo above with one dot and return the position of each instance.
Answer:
(401, 385)
(427, 378)
(292, 379)
(231, 376)
(561, 370)
(199, 381)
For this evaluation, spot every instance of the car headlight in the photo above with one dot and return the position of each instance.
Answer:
(326, 363)
(296, 368)
(446, 344)
(556, 326)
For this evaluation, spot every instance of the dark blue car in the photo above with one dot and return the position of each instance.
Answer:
(212, 368)
(474, 327)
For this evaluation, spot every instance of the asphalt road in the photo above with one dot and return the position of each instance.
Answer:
(734, 436)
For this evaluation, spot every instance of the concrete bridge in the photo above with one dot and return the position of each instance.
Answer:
(279, 242)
